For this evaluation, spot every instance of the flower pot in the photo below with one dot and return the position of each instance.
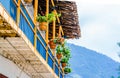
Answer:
(60, 40)
(43, 26)
(64, 64)
(52, 44)
(59, 56)
(28, 1)
(67, 70)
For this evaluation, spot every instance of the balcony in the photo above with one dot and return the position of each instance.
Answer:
(17, 43)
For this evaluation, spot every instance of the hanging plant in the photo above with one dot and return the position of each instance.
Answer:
(44, 20)
(52, 43)
(67, 70)
(66, 52)
(59, 51)
(60, 40)
(64, 61)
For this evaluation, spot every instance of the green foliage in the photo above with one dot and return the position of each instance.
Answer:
(67, 70)
(59, 49)
(66, 52)
(64, 43)
(41, 18)
(62, 48)
(59, 15)
(55, 40)
(64, 60)
(59, 41)
(47, 18)
(51, 17)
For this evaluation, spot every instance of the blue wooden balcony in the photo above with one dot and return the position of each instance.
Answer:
(26, 25)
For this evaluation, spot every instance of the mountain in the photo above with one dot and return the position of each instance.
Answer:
(86, 63)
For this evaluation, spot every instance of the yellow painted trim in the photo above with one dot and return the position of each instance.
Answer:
(47, 30)
(54, 26)
(60, 28)
(59, 34)
(35, 10)
(35, 15)
(18, 12)
(47, 11)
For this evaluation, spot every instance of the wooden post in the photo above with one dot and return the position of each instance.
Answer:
(18, 12)
(47, 30)
(60, 28)
(54, 24)
(35, 15)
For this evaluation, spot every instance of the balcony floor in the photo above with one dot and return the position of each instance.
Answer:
(16, 50)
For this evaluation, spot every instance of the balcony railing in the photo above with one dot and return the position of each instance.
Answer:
(27, 25)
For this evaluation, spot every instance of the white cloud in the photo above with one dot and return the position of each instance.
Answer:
(100, 26)
(96, 2)
(90, 2)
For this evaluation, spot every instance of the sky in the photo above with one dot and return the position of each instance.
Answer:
(100, 26)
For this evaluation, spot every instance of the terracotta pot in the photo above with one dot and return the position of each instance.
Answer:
(60, 40)
(59, 56)
(28, 1)
(64, 64)
(43, 26)
(52, 44)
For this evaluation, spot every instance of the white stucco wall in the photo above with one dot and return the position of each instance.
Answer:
(9, 69)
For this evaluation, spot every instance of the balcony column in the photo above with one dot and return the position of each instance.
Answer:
(18, 12)
(54, 24)
(60, 27)
(35, 15)
(53, 51)
(47, 30)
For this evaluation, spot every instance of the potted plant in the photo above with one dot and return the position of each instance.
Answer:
(67, 70)
(28, 1)
(59, 51)
(66, 52)
(64, 61)
(52, 43)
(60, 40)
(46, 19)
(42, 22)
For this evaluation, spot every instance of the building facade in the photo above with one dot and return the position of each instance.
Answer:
(24, 49)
